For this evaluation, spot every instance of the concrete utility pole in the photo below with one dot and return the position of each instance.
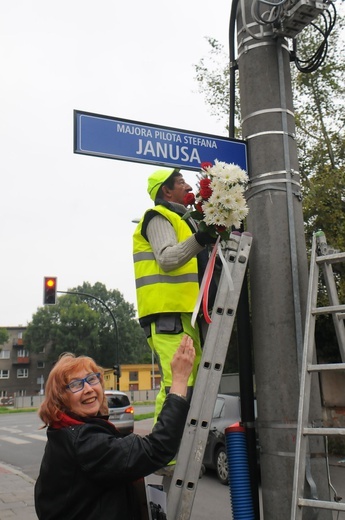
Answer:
(278, 263)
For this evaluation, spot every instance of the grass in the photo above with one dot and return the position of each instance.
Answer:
(4, 410)
(143, 403)
(142, 416)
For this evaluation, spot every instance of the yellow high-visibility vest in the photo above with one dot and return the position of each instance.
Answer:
(158, 291)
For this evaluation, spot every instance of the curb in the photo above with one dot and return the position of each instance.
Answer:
(6, 468)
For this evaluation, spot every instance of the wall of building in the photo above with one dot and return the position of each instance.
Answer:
(134, 377)
(21, 372)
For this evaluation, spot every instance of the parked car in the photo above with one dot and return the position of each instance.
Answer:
(121, 412)
(227, 411)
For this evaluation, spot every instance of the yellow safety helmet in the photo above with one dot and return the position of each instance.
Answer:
(156, 180)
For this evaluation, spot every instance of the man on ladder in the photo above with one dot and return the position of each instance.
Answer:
(168, 255)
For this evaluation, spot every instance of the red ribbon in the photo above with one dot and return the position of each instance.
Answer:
(205, 286)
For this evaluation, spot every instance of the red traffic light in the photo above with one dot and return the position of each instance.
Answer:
(49, 290)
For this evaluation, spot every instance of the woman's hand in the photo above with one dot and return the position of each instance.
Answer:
(182, 365)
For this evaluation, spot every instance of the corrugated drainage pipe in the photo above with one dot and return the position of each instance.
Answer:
(239, 477)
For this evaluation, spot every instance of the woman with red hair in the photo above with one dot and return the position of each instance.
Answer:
(88, 470)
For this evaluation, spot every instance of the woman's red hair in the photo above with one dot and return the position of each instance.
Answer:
(56, 396)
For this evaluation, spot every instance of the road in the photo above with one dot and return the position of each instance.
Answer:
(22, 444)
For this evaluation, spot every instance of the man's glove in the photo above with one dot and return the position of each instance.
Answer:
(203, 238)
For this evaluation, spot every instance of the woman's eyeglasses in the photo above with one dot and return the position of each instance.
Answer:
(78, 384)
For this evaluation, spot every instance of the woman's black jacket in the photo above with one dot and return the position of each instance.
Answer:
(87, 470)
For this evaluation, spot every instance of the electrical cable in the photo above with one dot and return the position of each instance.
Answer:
(267, 17)
(232, 67)
(271, 12)
(312, 63)
(256, 36)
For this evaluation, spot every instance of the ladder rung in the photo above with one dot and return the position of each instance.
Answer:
(330, 259)
(323, 431)
(341, 315)
(321, 504)
(333, 309)
(325, 367)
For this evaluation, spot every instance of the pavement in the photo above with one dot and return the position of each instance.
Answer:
(16, 494)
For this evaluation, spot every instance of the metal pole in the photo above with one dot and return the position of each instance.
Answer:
(278, 263)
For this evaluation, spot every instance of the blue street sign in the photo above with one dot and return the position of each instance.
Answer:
(105, 136)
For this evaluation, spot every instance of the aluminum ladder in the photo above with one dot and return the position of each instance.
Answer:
(324, 257)
(189, 461)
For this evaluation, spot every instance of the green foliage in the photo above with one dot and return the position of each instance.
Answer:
(81, 324)
(143, 416)
(320, 116)
(3, 336)
(211, 73)
(4, 410)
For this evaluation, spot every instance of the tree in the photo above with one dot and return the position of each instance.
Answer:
(212, 75)
(81, 324)
(3, 336)
(319, 116)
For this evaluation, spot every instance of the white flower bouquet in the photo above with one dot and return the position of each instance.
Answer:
(219, 204)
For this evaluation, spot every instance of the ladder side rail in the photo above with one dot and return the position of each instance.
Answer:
(189, 479)
(196, 430)
(326, 257)
(305, 388)
(201, 384)
(186, 475)
(334, 300)
(202, 381)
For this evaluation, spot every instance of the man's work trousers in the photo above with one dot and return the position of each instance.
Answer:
(166, 335)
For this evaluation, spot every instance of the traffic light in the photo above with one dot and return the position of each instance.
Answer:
(49, 290)
(117, 371)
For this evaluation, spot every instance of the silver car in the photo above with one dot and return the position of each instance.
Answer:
(121, 412)
(227, 411)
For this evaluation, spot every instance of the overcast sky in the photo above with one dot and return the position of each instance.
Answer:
(69, 215)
